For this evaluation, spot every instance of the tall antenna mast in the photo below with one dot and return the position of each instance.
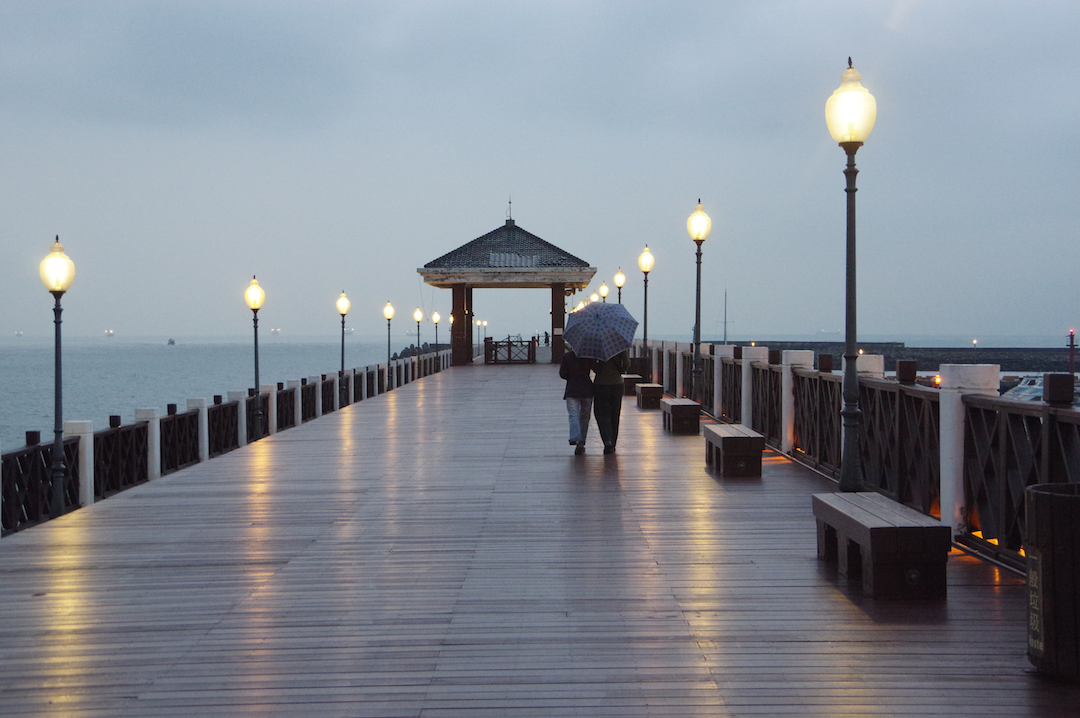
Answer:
(510, 208)
(725, 316)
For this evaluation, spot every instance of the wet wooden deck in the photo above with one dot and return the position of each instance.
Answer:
(439, 551)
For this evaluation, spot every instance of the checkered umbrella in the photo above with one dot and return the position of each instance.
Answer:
(600, 331)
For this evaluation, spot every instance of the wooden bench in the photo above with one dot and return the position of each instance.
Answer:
(734, 449)
(629, 383)
(897, 551)
(681, 416)
(649, 395)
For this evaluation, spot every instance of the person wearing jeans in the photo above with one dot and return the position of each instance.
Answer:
(608, 396)
(579, 397)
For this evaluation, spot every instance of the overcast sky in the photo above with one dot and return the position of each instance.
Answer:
(179, 148)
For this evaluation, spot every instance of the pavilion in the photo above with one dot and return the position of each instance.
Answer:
(506, 258)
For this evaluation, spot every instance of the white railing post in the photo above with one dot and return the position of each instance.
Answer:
(749, 356)
(337, 391)
(790, 358)
(204, 426)
(271, 407)
(85, 431)
(678, 371)
(240, 397)
(654, 360)
(957, 380)
(153, 441)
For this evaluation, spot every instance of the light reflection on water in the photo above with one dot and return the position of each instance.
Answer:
(112, 376)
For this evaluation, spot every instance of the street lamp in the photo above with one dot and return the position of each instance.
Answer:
(343, 309)
(388, 312)
(594, 297)
(435, 320)
(57, 271)
(645, 262)
(698, 225)
(603, 292)
(620, 280)
(850, 113)
(254, 297)
(418, 316)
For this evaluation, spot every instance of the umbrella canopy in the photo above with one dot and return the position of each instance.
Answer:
(600, 331)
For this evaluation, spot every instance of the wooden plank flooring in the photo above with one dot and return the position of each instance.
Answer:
(438, 551)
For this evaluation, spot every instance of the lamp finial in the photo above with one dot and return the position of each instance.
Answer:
(849, 61)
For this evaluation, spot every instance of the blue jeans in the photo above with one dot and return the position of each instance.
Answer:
(579, 411)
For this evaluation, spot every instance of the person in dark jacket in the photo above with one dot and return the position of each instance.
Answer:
(607, 398)
(578, 396)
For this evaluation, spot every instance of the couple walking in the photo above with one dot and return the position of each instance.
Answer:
(602, 395)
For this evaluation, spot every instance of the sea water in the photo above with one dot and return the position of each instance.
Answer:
(107, 376)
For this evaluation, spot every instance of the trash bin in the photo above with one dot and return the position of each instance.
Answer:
(1053, 561)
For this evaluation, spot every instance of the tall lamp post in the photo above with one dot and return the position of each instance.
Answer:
(850, 113)
(254, 297)
(645, 262)
(604, 291)
(620, 280)
(388, 312)
(419, 317)
(57, 271)
(435, 320)
(343, 305)
(698, 225)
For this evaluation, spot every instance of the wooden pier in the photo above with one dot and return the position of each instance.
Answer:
(439, 551)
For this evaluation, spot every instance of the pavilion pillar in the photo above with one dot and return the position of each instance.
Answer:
(558, 321)
(460, 341)
(470, 316)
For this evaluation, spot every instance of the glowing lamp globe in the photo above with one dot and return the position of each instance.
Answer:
(699, 225)
(620, 279)
(254, 295)
(57, 270)
(343, 304)
(851, 110)
(646, 261)
(418, 315)
(388, 311)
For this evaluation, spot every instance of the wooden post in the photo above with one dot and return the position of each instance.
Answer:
(558, 321)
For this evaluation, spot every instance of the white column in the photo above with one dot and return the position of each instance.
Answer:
(293, 385)
(720, 352)
(85, 431)
(678, 371)
(153, 441)
(271, 407)
(240, 397)
(749, 356)
(204, 426)
(790, 358)
(957, 380)
(317, 381)
(872, 365)
(337, 392)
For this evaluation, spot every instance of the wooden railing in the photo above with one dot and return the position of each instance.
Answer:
(120, 456)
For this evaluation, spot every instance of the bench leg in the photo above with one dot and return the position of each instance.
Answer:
(826, 542)
(848, 557)
(709, 457)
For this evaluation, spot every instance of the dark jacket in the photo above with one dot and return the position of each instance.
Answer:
(576, 372)
(610, 372)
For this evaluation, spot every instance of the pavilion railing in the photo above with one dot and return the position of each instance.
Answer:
(223, 422)
(509, 351)
(308, 397)
(179, 440)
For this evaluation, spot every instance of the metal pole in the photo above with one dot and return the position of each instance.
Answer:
(620, 295)
(257, 417)
(342, 345)
(388, 352)
(58, 469)
(418, 345)
(645, 317)
(695, 374)
(851, 475)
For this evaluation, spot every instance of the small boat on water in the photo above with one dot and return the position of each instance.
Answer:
(172, 342)
(108, 332)
(1030, 388)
